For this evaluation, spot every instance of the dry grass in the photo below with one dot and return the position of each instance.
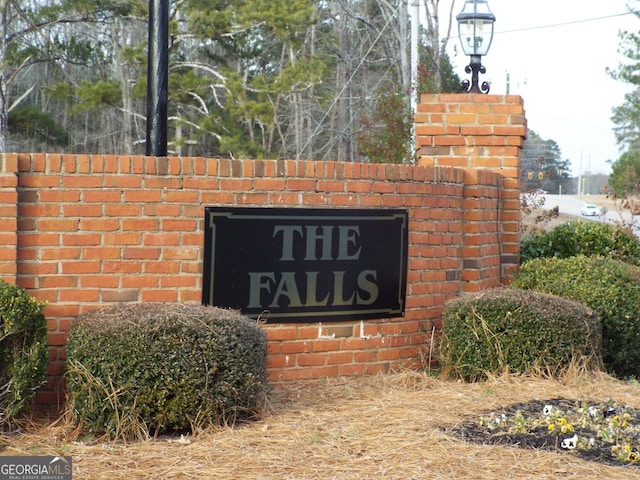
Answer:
(387, 427)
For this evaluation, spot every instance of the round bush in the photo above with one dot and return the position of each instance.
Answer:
(610, 287)
(582, 238)
(23, 350)
(140, 368)
(503, 329)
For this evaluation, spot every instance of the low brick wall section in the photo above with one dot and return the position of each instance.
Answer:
(85, 231)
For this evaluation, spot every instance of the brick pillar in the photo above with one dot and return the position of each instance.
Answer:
(8, 217)
(482, 134)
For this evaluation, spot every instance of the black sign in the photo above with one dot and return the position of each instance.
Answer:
(303, 265)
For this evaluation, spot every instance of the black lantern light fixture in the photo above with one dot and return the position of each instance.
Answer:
(475, 28)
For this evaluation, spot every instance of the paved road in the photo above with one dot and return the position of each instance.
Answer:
(571, 205)
(568, 204)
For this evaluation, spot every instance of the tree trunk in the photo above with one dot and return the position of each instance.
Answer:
(437, 44)
(344, 89)
(405, 64)
(3, 81)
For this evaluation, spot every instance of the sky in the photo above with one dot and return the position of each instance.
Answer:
(557, 62)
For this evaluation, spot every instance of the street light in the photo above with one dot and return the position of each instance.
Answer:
(475, 28)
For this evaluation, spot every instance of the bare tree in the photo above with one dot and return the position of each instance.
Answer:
(26, 27)
(437, 42)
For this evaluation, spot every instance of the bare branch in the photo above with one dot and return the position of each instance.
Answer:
(19, 99)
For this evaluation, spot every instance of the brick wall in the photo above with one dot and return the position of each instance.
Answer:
(84, 231)
(482, 134)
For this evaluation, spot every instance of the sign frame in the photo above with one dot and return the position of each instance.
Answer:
(318, 264)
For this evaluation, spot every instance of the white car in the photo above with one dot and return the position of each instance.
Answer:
(590, 210)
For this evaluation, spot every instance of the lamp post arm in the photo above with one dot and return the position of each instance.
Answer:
(475, 68)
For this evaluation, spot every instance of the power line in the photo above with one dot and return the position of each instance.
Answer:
(563, 24)
(573, 22)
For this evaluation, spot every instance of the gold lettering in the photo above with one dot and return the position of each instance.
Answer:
(312, 292)
(287, 239)
(312, 239)
(287, 288)
(256, 285)
(338, 290)
(367, 286)
(348, 234)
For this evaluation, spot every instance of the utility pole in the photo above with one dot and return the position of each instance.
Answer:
(157, 78)
(580, 175)
(415, 22)
(345, 114)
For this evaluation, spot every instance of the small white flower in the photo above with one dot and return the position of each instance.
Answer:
(570, 443)
(593, 411)
(500, 419)
(592, 442)
(547, 409)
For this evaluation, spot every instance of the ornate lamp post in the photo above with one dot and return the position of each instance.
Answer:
(475, 28)
(158, 78)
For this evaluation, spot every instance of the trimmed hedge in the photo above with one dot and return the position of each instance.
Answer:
(517, 331)
(23, 351)
(582, 238)
(610, 287)
(147, 368)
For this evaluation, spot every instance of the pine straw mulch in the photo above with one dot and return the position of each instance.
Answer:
(396, 426)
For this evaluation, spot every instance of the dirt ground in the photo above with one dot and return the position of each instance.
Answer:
(395, 426)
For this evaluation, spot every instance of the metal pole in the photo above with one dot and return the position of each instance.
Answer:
(415, 21)
(157, 78)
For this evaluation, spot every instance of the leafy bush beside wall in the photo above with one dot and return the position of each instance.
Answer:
(610, 287)
(518, 331)
(23, 350)
(582, 238)
(143, 368)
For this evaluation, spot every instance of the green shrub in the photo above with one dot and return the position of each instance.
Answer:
(610, 287)
(23, 350)
(137, 369)
(509, 330)
(582, 238)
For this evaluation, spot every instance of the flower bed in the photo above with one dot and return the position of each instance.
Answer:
(605, 432)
